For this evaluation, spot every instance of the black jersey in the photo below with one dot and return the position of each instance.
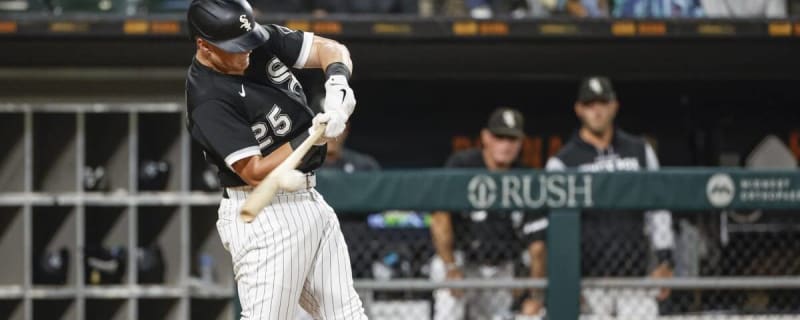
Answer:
(601, 230)
(625, 153)
(487, 237)
(234, 117)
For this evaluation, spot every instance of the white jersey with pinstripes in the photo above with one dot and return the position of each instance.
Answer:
(292, 255)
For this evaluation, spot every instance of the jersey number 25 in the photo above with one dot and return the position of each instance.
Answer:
(280, 123)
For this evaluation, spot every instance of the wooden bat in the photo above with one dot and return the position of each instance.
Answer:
(262, 195)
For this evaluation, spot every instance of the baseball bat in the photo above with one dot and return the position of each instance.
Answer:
(263, 193)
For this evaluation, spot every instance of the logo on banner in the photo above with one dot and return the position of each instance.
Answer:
(720, 190)
(530, 191)
(482, 191)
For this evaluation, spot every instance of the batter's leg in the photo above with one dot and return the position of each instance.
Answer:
(331, 276)
(309, 303)
(277, 258)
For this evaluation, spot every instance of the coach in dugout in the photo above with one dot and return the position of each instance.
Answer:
(613, 244)
(481, 244)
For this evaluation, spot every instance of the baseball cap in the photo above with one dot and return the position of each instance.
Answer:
(227, 24)
(596, 88)
(506, 122)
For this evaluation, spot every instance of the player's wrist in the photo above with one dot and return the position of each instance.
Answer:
(338, 69)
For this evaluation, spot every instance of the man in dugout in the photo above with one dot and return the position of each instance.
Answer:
(618, 244)
(481, 244)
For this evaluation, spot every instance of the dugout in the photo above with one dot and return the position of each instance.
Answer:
(701, 89)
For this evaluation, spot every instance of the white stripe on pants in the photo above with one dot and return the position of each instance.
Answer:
(292, 254)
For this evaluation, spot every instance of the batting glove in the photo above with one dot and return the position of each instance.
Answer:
(315, 124)
(339, 103)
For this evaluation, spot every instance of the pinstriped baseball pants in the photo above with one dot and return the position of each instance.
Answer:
(293, 254)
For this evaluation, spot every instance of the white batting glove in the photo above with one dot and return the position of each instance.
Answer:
(336, 123)
(291, 180)
(320, 118)
(339, 103)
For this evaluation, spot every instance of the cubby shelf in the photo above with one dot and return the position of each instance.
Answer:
(11, 292)
(85, 233)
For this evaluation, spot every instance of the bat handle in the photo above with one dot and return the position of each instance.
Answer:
(262, 195)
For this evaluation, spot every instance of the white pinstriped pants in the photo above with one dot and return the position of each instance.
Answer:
(292, 254)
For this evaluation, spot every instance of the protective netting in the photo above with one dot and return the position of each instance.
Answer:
(747, 244)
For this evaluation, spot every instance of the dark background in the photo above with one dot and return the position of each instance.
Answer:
(697, 97)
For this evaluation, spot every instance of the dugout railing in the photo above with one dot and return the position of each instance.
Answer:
(706, 191)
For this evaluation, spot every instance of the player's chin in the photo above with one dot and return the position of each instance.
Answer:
(505, 158)
(598, 127)
(241, 65)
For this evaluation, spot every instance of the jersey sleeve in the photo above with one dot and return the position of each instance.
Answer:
(226, 132)
(292, 47)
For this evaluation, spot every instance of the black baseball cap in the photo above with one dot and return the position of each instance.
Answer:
(227, 24)
(506, 122)
(596, 88)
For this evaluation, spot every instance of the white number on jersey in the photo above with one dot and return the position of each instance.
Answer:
(280, 123)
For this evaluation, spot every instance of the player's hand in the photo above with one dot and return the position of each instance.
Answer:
(339, 95)
(455, 274)
(662, 271)
(291, 180)
(319, 119)
(531, 307)
(339, 104)
(335, 125)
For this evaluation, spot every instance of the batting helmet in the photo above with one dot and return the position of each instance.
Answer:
(227, 24)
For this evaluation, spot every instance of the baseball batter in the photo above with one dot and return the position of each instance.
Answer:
(248, 111)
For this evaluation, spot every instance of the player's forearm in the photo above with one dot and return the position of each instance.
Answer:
(538, 257)
(326, 51)
(254, 169)
(442, 234)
